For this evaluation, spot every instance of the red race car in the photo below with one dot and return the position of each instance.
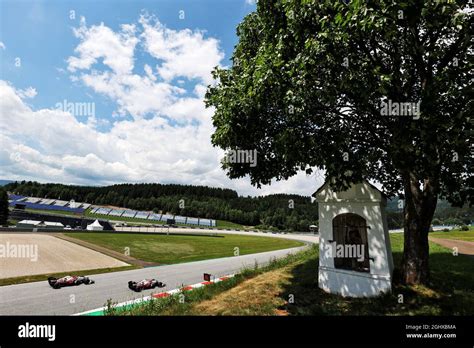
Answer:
(145, 284)
(58, 283)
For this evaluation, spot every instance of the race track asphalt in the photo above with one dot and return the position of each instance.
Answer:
(38, 298)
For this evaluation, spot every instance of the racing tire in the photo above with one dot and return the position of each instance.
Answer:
(132, 286)
(51, 281)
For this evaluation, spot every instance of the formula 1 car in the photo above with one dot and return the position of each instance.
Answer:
(58, 283)
(145, 284)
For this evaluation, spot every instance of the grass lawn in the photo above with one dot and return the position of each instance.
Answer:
(267, 291)
(54, 212)
(222, 224)
(181, 248)
(11, 222)
(455, 234)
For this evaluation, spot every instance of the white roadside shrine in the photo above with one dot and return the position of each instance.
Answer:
(355, 256)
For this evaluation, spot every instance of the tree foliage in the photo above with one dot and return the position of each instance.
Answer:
(307, 88)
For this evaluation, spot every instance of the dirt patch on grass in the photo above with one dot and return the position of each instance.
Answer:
(115, 254)
(463, 247)
(256, 296)
(44, 254)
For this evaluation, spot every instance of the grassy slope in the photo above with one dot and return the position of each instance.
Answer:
(222, 224)
(180, 248)
(255, 293)
(456, 234)
(54, 212)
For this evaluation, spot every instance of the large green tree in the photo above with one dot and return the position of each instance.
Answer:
(307, 90)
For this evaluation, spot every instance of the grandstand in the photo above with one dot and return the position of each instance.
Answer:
(165, 217)
(129, 213)
(116, 212)
(192, 221)
(103, 211)
(43, 204)
(157, 217)
(207, 222)
(47, 201)
(32, 200)
(79, 208)
(16, 198)
(142, 215)
(180, 219)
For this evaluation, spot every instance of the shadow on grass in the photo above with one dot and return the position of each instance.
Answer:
(451, 292)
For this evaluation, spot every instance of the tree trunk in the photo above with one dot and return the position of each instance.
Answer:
(420, 204)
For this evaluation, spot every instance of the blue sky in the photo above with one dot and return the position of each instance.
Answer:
(42, 37)
(141, 66)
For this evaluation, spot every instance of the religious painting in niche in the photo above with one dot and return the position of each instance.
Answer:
(350, 243)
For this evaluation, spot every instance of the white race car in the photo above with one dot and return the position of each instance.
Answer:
(57, 283)
(145, 284)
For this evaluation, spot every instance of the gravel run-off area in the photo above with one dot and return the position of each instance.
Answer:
(23, 254)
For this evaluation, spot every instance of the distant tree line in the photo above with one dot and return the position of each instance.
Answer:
(445, 214)
(278, 212)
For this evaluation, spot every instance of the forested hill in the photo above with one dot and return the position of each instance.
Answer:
(92, 193)
(280, 211)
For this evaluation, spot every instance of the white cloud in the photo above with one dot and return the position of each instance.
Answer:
(170, 145)
(100, 42)
(29, 92)
(185, 53)
(2, 45)
(190, 55)
(140, 150)
(134, 94)
(133, 151)
(149, 72)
